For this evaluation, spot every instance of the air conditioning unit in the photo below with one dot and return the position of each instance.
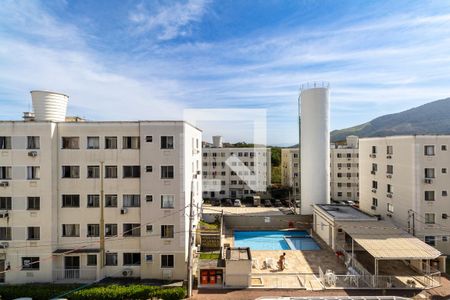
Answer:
(373, 155)
(428, 180)
(349, 159)
(389, 215)
(4, 214)
(4, 245)
(32, 153)
(4, 183)
(374, 190)
(127, 273)
(389, 157)
(388, 176)
(123, 210)
(198, 172)
(167, 274)
(389, 195)
(373, 172)
(373, 207)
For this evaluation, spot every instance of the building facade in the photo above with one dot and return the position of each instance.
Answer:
(344, 178)
(235, 173)
(54, 177)
(406, 179)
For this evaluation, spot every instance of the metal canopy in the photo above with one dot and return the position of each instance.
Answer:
(385, 241)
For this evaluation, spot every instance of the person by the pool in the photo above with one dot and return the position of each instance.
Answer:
(281, 261)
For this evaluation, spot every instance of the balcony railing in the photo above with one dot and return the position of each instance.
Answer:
(75, 274)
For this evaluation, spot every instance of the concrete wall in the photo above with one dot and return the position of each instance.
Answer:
(270, 222)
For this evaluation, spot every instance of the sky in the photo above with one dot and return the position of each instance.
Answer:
(152, 60)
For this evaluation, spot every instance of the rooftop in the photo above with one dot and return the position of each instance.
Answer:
(344, 212)
(237, 254)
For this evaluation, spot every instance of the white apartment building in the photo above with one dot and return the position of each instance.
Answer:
(52, 179)
(235, 173)
(344, 177)
(406, 179)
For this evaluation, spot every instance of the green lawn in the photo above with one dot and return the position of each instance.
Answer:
(212, 226)
(209, 255)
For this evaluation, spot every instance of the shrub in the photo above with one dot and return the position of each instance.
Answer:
(35, 291)
(113, 292)
(171, 293)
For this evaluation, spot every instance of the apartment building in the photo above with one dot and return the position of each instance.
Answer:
(235, 173)
(54, 176)
(406, 179)
(344, 169)
(344, 178)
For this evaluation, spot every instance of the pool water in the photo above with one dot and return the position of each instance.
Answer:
(275, 240)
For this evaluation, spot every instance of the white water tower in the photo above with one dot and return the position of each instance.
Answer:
(49, 106)
(314, 145)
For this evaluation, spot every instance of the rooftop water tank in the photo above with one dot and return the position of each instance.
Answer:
(49, 106)
(217, 141)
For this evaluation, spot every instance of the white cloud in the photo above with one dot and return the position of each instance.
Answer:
(169, 21)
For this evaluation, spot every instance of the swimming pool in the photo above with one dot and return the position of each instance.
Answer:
(275, 240)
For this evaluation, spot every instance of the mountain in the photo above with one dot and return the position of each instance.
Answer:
(430, 118)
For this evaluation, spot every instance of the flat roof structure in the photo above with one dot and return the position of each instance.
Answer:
(237, 254)
(385, 241)
(344, 212)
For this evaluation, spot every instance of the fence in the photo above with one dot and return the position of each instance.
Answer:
(75, 275)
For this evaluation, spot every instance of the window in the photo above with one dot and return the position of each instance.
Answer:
(5, 142)
(349, 155)
(70, 143)
(33, 173)
(93, 200)
(429, 218)
(167, 201)
(374, 184)
(110, 142)
(349, 194)
(149, 169)
(130, 229)
(93, 142)
(111, 259)
(374, 149)
(34, 233)
(167, 231)
(444, 171)
(110, 229)
(167, 142)
(130, 142)
(110, 171)
(110, 200)
(389, 150)
(390, 208)
(149, 258)
(149, 228)
(149, 198)
(374, 167)
(33, 142)
(443, 147)
(429, 150)
(91, 260)
(429, 195)
(5, 203)
(167, 261)
(131, 171)
(339, 194)
(131, 200)
(5, 233)
(5, 172)
(444, 193)
(374, 202)
(149, 139)
(444, 216)
(390, 169)
(167, 172)
(34, 203)
(71, 230)
(444, 238)
(430, 240)
(429, 173)
(132, 259)
(70, 172)
(389, 188)
(30, 263)
(93, 172)
(70, 200)
(93, 230)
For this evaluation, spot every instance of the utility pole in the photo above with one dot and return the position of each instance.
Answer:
(102, 219)
(190, 258)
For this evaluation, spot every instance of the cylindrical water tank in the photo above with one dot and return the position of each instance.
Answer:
(315, 146)
(217, 141)
(49, 106)
(352, 141)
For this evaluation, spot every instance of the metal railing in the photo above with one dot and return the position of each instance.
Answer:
(75, 274)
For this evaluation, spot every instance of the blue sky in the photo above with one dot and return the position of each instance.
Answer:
(128, 60)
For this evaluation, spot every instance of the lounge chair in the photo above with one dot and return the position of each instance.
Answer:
(269, 263)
